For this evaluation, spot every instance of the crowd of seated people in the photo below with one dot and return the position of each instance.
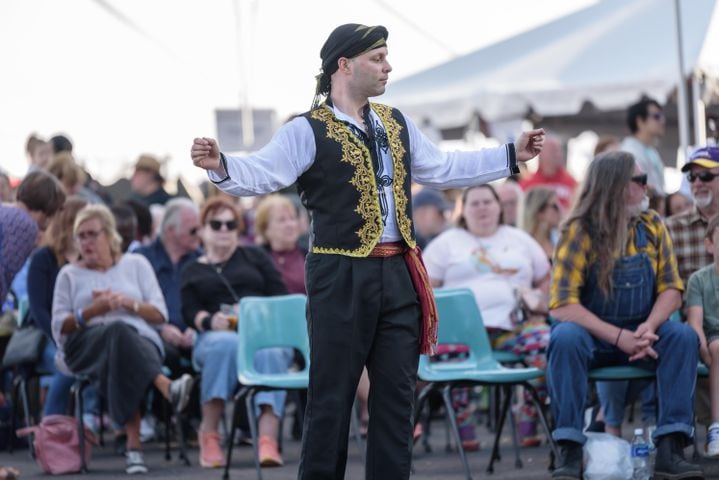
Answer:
(136, 308)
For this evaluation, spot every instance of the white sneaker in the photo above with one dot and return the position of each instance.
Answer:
(180, 391)
(713, 440)
(147, 428)
(135, 463)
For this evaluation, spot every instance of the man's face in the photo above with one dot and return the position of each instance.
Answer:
(634, 194)
(705, 191)
(186, 234)
(552, 158)
(370, 72)
(654, 123)
(142, 181)
(429, 220)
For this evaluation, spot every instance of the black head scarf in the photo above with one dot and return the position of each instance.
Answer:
(349, 41)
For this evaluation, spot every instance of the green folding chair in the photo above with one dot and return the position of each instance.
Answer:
(267, 322)
(460, 321)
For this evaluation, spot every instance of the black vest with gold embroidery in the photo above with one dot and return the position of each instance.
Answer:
(340, 190)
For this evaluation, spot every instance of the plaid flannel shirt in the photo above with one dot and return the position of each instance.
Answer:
(574, 256)
(687, 231)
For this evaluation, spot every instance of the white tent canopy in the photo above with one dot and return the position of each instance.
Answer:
(608, 54)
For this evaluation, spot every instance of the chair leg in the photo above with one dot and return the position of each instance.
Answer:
(167, 418)
(233, 430)
(22, 390)
(354, 419)
(447, 397)
(500, 425)
(79, 408)
(542, 417)
(515, 440)
(250, 406)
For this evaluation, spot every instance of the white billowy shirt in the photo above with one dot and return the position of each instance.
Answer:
(291, 152)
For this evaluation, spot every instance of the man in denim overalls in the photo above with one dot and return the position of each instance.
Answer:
(614, 285)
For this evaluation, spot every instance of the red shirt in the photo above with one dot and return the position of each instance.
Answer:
(561, 182)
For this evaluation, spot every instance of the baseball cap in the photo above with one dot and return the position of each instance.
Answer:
(707, 157)
(430, 198)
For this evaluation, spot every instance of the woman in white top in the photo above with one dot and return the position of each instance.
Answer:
(106, 309)
(499, 263)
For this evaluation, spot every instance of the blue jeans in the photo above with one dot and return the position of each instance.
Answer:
(615, 396)
(215, 354)
(58, 392)
(573, 351)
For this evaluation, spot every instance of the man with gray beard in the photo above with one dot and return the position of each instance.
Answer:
(687, 231)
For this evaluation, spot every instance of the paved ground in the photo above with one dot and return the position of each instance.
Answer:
(436, 465)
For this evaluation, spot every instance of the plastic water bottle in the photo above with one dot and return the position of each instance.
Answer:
(640, 456)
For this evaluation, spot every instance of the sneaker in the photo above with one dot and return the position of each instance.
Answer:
(147, 428)
(135, 462)
(180, 391)
(713, 440)
(269, 453)
(211, 455)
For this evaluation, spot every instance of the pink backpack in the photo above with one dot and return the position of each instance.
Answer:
(57, 444)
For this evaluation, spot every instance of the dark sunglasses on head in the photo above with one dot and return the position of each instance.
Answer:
(216, 225)
(705, 176)
(640, 179)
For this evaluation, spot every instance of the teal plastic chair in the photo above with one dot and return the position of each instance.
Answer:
(268, 322)
(460, 321)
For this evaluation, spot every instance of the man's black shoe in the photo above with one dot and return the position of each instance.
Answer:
(670, 463)
(570, 461)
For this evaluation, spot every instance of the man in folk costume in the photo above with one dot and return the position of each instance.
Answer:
(369, 300)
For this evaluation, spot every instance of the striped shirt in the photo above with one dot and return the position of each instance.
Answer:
(574, 257)
(687, 231)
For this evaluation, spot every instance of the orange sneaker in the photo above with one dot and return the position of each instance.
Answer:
(269, 453)
(211, 454)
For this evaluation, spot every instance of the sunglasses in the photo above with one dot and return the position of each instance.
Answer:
(216, 225)
(705, 176)
(640, 179)
(656, 116)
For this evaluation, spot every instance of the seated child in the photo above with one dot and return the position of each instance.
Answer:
(703, 316)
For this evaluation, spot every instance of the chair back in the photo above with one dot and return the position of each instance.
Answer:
(460, 322)
(268, 322)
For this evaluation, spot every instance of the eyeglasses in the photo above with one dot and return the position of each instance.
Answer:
(705, 176)
(640, 179)
(216, 225)
(88, 235)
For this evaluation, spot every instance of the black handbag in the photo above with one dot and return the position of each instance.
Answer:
(25, 347)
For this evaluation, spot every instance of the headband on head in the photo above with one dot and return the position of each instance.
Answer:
(349, 41)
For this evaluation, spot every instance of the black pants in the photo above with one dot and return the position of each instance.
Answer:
(361, 311)
(123, 362)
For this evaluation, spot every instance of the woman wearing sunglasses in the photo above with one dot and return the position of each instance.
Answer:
(212, 287)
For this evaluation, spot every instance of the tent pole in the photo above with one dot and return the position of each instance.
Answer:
(681, 90)
(700, 131)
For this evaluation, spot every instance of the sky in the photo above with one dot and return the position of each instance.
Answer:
(121, 78)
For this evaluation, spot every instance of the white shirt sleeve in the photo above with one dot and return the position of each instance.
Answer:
(435, 168)
(275, 166)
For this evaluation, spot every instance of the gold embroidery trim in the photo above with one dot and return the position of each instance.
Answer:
(357, 155)
(400, 173)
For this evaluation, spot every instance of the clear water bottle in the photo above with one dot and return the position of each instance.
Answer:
(640, 456)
